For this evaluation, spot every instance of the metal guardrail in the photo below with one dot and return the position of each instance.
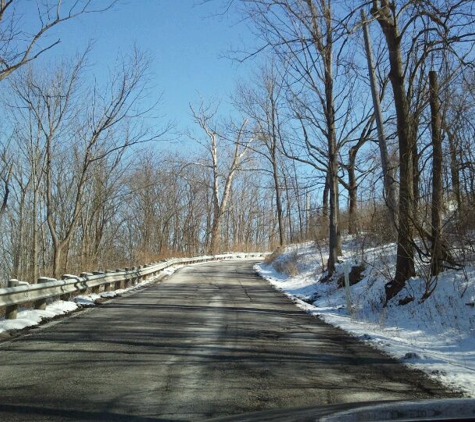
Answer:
(20, 292)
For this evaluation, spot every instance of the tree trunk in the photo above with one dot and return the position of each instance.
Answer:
(352, 199)
(35, 251)
(333, 226)
(405, 268)
(273, 154)
(18, 253)
(289, 213)
(416, 180)
(326, 190)
(278, 200)
(307, 215)
(454, 169)
(326, 50)
(296, 190)
(215, 235)
(388, 174)
(437, 189)
(57, 252)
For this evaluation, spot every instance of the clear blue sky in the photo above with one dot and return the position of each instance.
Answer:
(185, 38)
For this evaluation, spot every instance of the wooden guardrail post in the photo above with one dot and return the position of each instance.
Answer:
(133, 278)
(65, 296)
(40, 304)
(108, 286)
(11, 311)
(127, 280)
(118, 284)
(138, 279)
(97, 289)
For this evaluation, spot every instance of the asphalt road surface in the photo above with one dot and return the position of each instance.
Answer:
(212, 340)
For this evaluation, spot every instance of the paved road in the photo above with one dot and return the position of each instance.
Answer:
(212, 340)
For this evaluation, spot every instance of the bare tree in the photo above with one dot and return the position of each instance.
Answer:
(20, 45)
(80, 128)
(388, 173)
(263, 103)
(405, 253)
(221, 177)
(302, 34)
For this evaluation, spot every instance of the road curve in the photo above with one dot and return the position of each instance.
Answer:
(210, 341)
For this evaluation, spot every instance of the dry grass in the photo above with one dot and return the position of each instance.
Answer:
(287, 267)
(269, 259)
(285, 264)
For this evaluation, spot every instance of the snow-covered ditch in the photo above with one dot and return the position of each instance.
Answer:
(436, 336)
(31, 317)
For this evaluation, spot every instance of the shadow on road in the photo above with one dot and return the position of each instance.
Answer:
(37, 414)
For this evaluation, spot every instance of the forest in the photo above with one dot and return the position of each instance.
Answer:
(358, 120)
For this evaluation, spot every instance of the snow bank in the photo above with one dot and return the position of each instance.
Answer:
(436, 336)
(29, 318)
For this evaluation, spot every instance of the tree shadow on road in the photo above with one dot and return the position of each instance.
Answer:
(12, 413)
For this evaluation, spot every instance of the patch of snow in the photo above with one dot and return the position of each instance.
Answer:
(170, 270)
(29, 318)
(86, 301)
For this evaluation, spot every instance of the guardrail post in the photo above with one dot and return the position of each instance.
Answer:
(138, 279)
(108, 286)
(118, 284)
(41, 303)
(97, 289)
(131, 280)
(65, 296)
(134, 277)
(127, 280)
(11, 311)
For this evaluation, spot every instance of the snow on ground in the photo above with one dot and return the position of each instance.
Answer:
(436, 336)
(28, 317)
(31, 317)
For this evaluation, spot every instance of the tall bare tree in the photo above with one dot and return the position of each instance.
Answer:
(233, 141)
(388, 172)
(263, 103)
(304, 35)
